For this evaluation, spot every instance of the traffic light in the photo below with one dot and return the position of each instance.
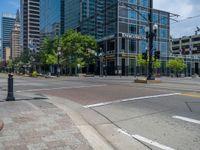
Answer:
(157, 54)
(144, 56)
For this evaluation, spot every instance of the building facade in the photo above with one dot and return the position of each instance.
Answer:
(15, 38)
(51, 18)
(30, 24)
(7, 21)
(119, 30)
(188, 47)
(7, 53)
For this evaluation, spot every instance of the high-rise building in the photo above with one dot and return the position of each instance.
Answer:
(7, 53)
(51, 18)
(15, 38)
(30, 24)
(119, 30)
(7, 21)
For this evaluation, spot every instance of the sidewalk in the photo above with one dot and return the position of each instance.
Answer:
(38, 125)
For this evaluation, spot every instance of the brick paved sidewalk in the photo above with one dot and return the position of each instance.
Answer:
(38, 125)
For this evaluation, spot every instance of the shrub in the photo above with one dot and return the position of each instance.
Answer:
(34, 74)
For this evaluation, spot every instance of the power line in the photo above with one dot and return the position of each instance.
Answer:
(188, 18)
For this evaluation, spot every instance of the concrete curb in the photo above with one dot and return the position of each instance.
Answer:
(96, 141)
(1, 125)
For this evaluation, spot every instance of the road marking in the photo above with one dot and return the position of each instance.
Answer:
(186, 119)
(131, 99)
(195, 95)
(76, 87)
(148, 141)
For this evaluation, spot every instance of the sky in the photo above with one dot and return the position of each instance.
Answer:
(184, 8)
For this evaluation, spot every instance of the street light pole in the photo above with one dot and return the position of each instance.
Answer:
(151, 32)
(151, 35)
(58, 64)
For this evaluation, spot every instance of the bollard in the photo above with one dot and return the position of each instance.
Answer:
(10, 96)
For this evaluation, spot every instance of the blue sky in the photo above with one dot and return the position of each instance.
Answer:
(185, 8)
(9, 6)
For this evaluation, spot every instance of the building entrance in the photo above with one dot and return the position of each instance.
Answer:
(197, 68)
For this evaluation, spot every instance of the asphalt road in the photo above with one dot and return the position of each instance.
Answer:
(159, 116)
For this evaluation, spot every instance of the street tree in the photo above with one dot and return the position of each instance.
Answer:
(47, 53)
(78, 49)
(176, 65)
(143, 63)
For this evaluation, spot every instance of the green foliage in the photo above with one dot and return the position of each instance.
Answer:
(156, 63)
(9, 63)
(47, 52)
(75, 48)
(25, 56)
(78, 49)
(176, 65)
(142, 63)
(34, 74)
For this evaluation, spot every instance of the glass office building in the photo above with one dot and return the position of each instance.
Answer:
(119, 30)
(7, 21)
(51, 18)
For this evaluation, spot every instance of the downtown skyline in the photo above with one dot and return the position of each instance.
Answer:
(183, 28)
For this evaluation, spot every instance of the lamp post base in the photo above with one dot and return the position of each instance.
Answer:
(151, 78)
(144, 81)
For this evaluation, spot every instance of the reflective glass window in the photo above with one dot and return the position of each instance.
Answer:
(133, 1)
(132, 46)
(144, 3)
(132, 15)
(163, 48)
(132, 29)
(163, 33)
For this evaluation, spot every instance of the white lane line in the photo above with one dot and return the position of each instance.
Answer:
(131, 99)
(186, 119)
(75, 87)
(148, 141)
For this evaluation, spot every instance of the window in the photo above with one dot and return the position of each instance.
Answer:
(144, 3)
(133, 1)
(142, 46)
(163, 48)
(132, 15)
(163, 33)
(155, 18)
(132, 46)
(123, 43)
(155, 45)
(142, 30)
(132, 29)
(163, 20)
(143, 16)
